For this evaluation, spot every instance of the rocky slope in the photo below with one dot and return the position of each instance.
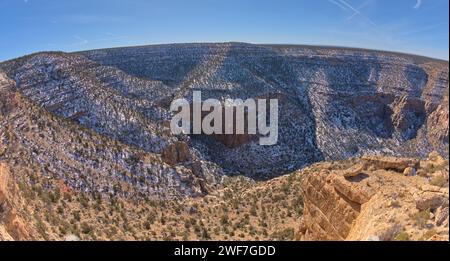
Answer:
(370, 198)
(12, 226)
(335, 103)
(377, 198)
(53, 146)
(86, 151)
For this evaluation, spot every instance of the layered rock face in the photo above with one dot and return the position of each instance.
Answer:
(334, 103)
(57, 148)
(12, 226)
(377, 198)
(94, 126)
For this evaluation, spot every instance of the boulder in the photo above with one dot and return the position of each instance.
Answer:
(175, 153)
(371, 201)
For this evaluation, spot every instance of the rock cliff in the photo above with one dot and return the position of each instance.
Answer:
(377, 198)
(334, 103)
(86, 150)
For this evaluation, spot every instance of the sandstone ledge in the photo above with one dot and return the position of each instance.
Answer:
(373, 198)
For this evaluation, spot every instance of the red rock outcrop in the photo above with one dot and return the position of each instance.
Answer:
(175, 153)
(12, 226)
(376, 198)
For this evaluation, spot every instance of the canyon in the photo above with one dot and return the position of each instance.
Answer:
(86, 150)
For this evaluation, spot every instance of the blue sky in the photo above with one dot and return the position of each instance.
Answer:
(412, 26)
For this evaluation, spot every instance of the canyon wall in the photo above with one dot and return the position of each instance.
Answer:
(377, 198)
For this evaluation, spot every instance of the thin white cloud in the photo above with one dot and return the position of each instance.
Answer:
(357, 12)
(110, 37)
(361, 6)
(80, 40)
(338, 5)
(88, 19)
(418, 4)
(344, 5)
(421, 30)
